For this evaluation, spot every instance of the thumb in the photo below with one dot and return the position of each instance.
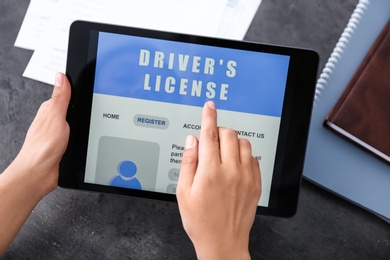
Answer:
(61, 93)
(189, 164)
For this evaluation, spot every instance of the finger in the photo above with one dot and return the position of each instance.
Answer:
(245, 151)
(61, 94)
(229, 146)
(209, 141)
(189, 164)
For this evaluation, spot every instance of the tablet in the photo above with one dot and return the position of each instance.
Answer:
(137, 94)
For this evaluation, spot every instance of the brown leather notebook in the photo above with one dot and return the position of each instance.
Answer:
(362, 113)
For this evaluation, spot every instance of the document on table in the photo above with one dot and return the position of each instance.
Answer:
(237, 18)
(35, 23)
(47, 32)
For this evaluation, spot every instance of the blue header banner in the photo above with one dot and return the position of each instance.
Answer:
(190, 74)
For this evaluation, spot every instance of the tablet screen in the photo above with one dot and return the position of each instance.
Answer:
(147, 94)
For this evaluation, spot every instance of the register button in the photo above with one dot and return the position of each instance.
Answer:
(151, 121)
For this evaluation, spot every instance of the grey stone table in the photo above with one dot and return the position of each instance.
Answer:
(81, 225)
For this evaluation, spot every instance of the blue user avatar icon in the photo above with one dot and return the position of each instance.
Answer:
(126, 177)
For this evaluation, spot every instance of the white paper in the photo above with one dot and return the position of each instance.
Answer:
(38, 17)
(201, 17)
(237, 18)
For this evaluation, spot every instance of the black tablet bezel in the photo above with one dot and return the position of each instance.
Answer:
(294, 126)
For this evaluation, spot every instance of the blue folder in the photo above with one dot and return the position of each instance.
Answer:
(332, 162)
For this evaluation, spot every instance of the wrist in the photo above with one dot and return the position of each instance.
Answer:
(241, 255)
(22, 177)
(19, 194)
(216, 250)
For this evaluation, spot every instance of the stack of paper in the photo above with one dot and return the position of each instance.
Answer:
(46, 25)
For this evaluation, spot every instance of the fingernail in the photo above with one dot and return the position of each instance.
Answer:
(211, 104)
(58, 80)
(190, 140)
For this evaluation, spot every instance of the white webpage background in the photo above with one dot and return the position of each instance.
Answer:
(127, 108)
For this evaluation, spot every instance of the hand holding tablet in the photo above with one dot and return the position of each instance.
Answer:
(136, 95)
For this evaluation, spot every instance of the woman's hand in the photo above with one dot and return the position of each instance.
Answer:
(218, 190)
(34, 172)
